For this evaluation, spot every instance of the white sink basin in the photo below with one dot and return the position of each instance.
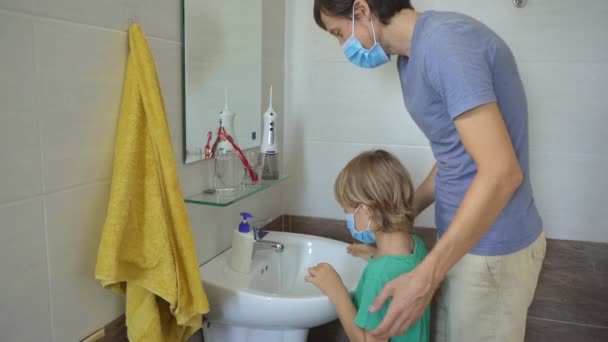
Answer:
(273, 302)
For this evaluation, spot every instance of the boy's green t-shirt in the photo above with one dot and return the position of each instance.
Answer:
(380, 271)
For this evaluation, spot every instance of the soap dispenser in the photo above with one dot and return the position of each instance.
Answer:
(242, 246)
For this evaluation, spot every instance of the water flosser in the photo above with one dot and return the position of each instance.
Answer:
(227, 121)
(270, 154)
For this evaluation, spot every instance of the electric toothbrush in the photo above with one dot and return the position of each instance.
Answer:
(268, 148)
(227, 122)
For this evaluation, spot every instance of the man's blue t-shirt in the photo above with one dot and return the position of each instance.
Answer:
(456, 64)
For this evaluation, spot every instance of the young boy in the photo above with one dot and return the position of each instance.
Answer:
(376, 193)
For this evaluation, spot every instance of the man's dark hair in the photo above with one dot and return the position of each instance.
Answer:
(383, 9)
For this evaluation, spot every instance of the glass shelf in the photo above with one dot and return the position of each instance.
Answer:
(226, 198)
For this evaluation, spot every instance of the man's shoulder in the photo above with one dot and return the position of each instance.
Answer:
(446, 28)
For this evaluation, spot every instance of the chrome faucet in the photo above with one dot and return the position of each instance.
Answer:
(265, 244)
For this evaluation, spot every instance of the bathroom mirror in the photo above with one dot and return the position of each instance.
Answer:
(222, 54)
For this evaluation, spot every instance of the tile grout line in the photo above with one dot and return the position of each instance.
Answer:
(37, 104)
(19, 201)
(48, 266)
(571, 323)
(43, 196)
(90, 26)
(15, 12)
(425, 147)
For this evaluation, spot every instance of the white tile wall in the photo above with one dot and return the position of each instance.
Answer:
(273, 31)
(22, 5)
(335, 109)
(24, 300)
(111, 14)
(571, 192)
(339, 102)
(75, 220)
(158, 18)
(544, 30)
(567, 114)
(81, 69)
(62, 66)
(20, 166)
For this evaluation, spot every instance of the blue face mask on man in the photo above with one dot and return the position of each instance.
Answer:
(360, 56)
(366, 235)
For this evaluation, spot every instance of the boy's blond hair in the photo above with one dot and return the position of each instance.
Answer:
(378, 180)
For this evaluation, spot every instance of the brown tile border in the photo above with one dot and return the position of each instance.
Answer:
(115, 331)
(336, 229)
(540, 330)
(333, 229)
(330, 332)
(573, 285)
(277, 224)
(537, 330)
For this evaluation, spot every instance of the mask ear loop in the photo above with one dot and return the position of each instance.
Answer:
(373, 29)
(365, 207)
(353, 28)
(369, 224)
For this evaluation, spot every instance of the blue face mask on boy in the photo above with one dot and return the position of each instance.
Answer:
(360, 56)
(366, 235)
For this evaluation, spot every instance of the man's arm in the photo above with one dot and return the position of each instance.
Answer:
(485, 137)
(425, 194)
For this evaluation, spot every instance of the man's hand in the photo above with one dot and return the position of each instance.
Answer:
(411, 293)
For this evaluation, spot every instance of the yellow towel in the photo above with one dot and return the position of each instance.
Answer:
(146, 250)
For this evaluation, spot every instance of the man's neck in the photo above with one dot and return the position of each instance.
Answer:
(397, 35)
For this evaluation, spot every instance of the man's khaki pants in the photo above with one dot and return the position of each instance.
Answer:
(486, 298)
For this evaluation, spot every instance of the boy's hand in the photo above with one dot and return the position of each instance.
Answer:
(325, 278)
(361, 250)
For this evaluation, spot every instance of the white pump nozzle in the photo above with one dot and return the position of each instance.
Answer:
(270, 109)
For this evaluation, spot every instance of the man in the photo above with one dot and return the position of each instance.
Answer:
(462, 87)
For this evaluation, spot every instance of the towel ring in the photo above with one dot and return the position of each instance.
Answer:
(520, 3)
